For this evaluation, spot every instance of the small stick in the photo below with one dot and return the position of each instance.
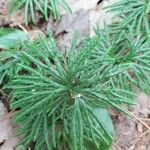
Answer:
(141, 121)
(138, 119)
(117, 147)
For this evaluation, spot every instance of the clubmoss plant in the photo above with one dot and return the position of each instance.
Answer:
(45, 7)
(59, 96)
(135, 13)
(61, 99)
(132, 24)
(124, 57)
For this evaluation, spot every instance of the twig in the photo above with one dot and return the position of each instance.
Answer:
(141, 121)
(138, 119)
(117, 147)
(23, 28)
(145, 119)
(143, 134)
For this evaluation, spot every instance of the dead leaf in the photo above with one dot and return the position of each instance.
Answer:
(7, 141)
(76, 5)
(100, 15)
(78, 21)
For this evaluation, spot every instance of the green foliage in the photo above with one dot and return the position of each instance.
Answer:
(132, 27)
(125, 58)
(53, 92)
(65, 89)
(135, 13)
(10, 37)
(9, 59)
(45, 7)
(61, 98)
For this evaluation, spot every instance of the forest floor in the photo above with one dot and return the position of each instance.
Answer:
(131, 133)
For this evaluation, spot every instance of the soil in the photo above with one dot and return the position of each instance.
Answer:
(131, 133)
(134, 133)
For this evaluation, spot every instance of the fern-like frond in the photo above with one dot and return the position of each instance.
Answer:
(60, 99)
(125, 58)
(134, 13)
(10, 58)
(45, 7)
(66, 88)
